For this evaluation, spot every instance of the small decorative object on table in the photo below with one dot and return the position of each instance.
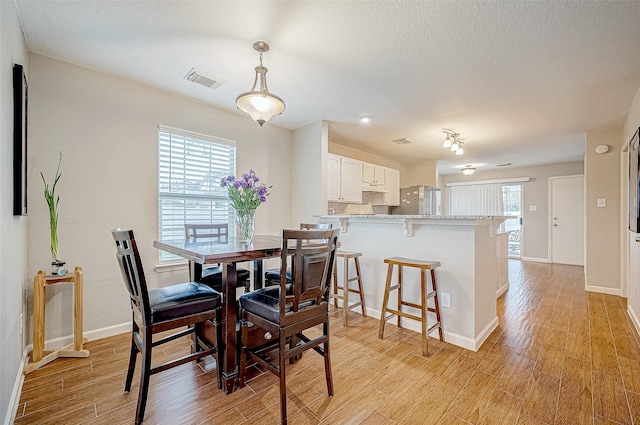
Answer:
(246, 194)
(52, 201)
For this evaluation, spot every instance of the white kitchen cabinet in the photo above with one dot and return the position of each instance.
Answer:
(391, 197)
(344, 179)
(372, 177)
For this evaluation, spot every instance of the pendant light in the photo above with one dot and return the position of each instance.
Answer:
(452, 142)
(260, 104)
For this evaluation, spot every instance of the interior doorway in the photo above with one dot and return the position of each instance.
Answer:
(566, 224)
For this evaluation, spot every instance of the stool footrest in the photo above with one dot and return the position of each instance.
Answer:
(397, 313)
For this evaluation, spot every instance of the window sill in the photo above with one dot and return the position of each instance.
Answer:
(171, 266)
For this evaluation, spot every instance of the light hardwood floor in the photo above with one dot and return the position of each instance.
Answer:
(560, 355)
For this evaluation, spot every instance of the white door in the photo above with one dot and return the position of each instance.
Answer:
(567, 220)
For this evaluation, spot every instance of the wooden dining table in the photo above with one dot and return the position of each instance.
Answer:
(226, 253)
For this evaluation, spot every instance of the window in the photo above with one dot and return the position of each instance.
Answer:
(190, 167)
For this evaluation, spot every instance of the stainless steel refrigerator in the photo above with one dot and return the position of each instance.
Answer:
(418, 200)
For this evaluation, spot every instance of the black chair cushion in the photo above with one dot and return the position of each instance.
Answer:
(273, 275)
(182, 300)
(212, 276)
(265, 302)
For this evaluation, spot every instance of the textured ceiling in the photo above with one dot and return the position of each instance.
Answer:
(521, 82)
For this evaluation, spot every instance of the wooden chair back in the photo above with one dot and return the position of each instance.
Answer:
(219, 231)
(312, 254)
(132, 272)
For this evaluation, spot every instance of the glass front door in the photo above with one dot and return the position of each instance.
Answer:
(512, 197)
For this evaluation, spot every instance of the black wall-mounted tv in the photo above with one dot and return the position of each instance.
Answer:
(634, 184)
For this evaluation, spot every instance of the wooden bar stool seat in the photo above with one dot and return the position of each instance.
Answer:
(346, 289)
(425, 296)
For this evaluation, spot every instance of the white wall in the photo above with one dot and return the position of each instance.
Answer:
(534, 193)
(13, 230)
(107, 129)
(602, 181)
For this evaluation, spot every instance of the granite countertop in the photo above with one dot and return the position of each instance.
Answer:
(418, 216)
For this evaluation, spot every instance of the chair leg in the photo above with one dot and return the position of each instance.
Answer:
(436, 303)
(145, 374)
(345, 294)
(283, 381)
(220, 344)
(335, 282)
(132, 358)
(327, 359)
(399, 294)
(364, 309)
(242, 366)
(423, 297)
(385, 300)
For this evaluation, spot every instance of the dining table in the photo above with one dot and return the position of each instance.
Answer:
(227, 253)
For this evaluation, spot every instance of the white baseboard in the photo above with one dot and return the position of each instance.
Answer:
(602, 290)
(57, 343)
(449, 337)
(634, 318)
(536, 260)
(14, 401)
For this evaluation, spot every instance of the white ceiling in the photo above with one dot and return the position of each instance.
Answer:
(521, 82)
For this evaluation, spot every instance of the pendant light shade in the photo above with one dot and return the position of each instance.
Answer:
(468, 170)
(258, 102)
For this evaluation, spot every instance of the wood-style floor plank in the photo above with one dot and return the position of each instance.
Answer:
(559, 356)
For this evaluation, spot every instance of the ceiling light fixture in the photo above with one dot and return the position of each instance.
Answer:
(452, 142)
(365, 119)
(468, 170)
(260, 104)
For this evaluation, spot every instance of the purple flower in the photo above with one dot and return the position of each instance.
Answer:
(245, 192)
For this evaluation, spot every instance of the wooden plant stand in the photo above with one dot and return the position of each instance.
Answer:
(40, 356)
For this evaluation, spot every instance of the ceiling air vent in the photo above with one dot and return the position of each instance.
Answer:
(403, 141)
(197, 76)
(505, 165)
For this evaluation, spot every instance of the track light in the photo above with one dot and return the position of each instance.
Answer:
(452, 142)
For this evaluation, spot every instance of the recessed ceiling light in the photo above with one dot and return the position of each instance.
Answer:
(365, 119)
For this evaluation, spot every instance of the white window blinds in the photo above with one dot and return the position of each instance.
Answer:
(481, 199)
(190, 167)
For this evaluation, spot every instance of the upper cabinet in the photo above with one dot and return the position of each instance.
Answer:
(344, 179)
(373, 177)
(391, 197)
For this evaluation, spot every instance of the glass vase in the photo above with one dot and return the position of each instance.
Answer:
(245, 220)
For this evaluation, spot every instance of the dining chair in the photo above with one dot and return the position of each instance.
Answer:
(272, 276)
(185, 306)
(285, 312)
(212, 276)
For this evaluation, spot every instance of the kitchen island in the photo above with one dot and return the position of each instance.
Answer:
(467, 247)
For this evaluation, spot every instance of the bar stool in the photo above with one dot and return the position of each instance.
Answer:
(423, 266)
(346, 289)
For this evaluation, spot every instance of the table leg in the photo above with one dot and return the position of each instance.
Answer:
(229, 330)
(257, 274)
(77, 310)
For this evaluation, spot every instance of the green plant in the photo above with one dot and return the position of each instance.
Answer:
(52, 201)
